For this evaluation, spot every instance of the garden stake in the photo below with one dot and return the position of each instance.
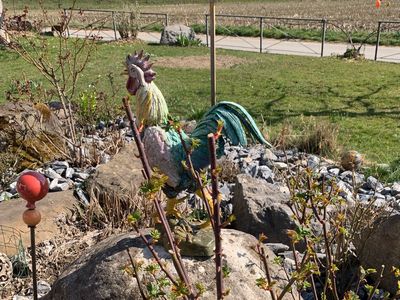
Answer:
(32, 186)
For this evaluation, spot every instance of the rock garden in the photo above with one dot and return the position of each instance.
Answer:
(142, 205)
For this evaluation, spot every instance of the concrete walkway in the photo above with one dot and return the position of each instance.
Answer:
(293, 47)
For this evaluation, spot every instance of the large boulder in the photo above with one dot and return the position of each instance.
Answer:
(261, 207)
(13, 230)
(380, 245)
(120, 177)
(98, 273)
(170, 34)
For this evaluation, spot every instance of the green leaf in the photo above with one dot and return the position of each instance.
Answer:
(155, 234)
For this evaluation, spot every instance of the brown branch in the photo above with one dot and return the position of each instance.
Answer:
(217, 216)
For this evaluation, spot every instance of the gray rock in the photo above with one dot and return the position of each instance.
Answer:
(277, 247)
(395, 188)
(59, 164)
(313, 162)
(81, 175)
(379, 245)
(364, 197)
(253, 170)
(80, 194)
(170, 34)
(259, 207)
(386, 191)
(98, 274)
(43, 288)
(373, 184)
(268, 155)
(13, 188)
(69, 172)
(266, 173)
(345, 190)
(334, 171)
(59, 171)
(280, 165)
(57, 185)
(347, 176)
(50, 173)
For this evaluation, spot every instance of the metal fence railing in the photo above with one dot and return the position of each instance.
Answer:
(382, 26)
(109, 21)
(100, 19)
(278, 24)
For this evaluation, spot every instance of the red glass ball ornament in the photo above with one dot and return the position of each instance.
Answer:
(32, 186)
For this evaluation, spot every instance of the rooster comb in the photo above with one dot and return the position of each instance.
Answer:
(142, 61)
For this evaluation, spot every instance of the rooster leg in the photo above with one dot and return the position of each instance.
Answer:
(171, 210)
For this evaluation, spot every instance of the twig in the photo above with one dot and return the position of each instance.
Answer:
(377, 282)
(217, 217)
(136, 275)
(261, 253)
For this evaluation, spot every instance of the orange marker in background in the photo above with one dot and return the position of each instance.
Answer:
(378, 3)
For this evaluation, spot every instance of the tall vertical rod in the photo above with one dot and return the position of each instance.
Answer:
(166, 20)
(213, 54)
(323, 37)
(33, 255)
(207, 31)
(378, 39)
(114, 25)
(261, 34)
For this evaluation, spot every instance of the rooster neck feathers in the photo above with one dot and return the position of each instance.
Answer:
(151, 107)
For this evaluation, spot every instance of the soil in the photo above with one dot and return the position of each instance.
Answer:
(199, 62)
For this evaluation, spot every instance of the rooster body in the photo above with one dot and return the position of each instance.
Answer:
(163, 144)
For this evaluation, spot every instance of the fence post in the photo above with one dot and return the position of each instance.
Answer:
(323, 36)
(261, 34)
(378, 38)
(207, 30)
(114, 25)
(166, 20)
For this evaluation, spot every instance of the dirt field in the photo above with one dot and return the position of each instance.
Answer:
(359, 13)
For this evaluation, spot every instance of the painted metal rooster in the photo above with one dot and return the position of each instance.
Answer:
(163, 145)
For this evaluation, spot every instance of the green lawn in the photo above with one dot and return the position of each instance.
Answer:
(362, 97)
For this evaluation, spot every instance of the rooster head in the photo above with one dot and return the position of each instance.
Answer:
(139, 71)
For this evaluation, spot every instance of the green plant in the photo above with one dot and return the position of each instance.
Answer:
(184, 41)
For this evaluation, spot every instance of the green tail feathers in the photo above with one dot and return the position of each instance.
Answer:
(235, 119)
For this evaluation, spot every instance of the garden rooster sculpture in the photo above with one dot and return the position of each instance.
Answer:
(163, 144)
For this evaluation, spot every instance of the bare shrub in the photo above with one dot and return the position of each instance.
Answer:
(128, 21)
(112, 209)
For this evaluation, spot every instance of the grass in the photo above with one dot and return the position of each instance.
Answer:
(361, 97)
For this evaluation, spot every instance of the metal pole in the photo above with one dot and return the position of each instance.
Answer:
(114, 25)
(207, 31)
(261, 34)
(33, 255)
(378, 38)
(166, 20)
(323, 37)
(213, 54)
